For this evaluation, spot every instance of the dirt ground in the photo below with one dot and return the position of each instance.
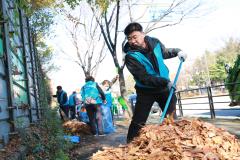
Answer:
(91, 144)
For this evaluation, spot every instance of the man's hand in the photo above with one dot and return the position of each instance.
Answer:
(182, 55)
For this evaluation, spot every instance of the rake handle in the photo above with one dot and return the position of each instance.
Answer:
(171, 92)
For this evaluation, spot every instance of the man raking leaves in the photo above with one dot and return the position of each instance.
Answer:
(145, 61)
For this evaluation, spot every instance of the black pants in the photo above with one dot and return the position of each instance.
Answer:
(95, 118)
(143, 107)
(72, 111)
(65, 109)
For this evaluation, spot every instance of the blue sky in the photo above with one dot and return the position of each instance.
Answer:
(194, 36)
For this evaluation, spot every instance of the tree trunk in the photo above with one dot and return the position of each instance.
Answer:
(123, 92)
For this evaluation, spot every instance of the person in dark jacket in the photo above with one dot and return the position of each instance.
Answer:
(145, 60)
(62, 99)
(93, 97)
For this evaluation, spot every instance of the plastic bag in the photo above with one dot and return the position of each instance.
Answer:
(107, 121)
(84, 117)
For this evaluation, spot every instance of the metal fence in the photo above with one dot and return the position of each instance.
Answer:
(19, 104)
(193, 99)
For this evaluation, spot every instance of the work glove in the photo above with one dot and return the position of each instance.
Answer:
(182, 55)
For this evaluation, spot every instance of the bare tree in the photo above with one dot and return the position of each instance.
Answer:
(108, 18)
(164, 14)
(86, 39)
(107, 15)
(111, 17)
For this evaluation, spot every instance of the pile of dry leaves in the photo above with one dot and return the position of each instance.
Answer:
(75, 127)
(11, 148)
(182, 140)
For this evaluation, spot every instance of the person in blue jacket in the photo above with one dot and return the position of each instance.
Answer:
(107, 119)
(62, 99)
(72, 102)
(145, 60)
(93, 97)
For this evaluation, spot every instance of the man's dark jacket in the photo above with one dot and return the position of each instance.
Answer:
(139, 72)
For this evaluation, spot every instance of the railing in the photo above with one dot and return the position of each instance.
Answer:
(205, 92)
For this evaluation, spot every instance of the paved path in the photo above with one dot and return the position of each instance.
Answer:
(199, 107)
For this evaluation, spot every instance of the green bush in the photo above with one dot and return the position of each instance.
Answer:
(45, 139)
(234, 77)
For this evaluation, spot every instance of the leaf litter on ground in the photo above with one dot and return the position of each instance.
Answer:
(181, 140)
